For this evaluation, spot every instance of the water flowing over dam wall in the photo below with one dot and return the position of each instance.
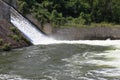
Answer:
(31, 32)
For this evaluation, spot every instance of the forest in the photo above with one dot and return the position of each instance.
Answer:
(69, 12)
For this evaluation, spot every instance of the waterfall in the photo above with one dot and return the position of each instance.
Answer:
(27, 28)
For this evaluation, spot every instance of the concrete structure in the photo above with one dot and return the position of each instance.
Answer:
(12, 2)
(4, 11)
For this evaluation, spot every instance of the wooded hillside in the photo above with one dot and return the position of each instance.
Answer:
(60, 12)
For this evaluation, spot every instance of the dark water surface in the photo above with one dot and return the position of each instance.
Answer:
(60, 62)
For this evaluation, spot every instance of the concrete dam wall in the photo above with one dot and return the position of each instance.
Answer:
(94, 33)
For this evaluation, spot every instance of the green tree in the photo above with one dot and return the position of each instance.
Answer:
(58, 11)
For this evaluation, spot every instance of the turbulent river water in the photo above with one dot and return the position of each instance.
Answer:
(51, 59)
(87, 60)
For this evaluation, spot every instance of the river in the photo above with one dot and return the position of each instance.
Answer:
(63, 61)
(51, 59)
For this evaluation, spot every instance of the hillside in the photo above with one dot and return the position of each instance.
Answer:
(72, 12)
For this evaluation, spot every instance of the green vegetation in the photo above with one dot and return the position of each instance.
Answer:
(1, 41)
(72, 12)
(26, 40)
(15, 37)
(14, 30)
(6, 47)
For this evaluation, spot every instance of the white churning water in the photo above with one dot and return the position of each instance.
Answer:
(10, 77)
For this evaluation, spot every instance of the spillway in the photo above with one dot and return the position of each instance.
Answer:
(34, 35)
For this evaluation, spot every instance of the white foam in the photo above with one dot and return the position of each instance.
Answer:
(10, 77)
(110, 62)
(112, 58)
(89, 42)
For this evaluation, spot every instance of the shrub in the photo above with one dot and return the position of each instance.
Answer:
(23, 7)
(15, 37)
(24, 39)
(14, 30)
(1, 41)
(6, 47)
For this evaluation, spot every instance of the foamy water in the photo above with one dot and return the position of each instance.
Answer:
(27, 28)
(11, 77)
(111, 60)
(90, 42)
